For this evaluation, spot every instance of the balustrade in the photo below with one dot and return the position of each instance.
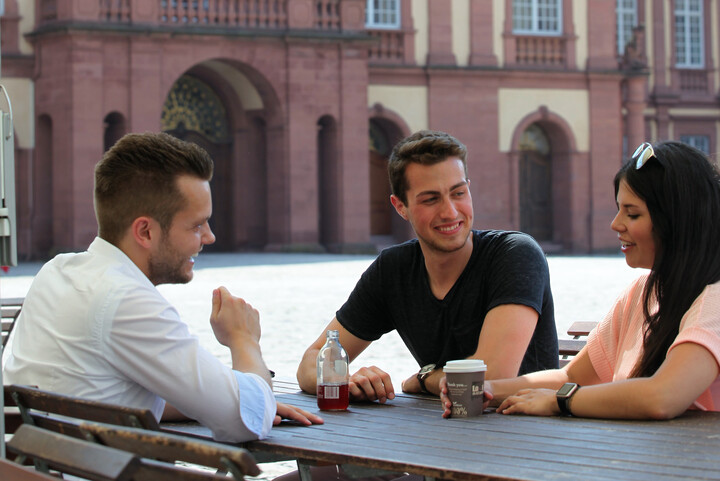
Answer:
(390, 48)
(540, 51)
(695, 81)
(326, 15)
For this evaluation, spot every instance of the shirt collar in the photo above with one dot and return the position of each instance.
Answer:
(103, 248)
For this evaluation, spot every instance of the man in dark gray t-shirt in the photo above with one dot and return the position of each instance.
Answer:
(504, 268)
(453, 292)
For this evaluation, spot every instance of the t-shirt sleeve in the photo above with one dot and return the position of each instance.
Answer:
(365, 314)
(624, 319)
(701, 323)
(521, 273)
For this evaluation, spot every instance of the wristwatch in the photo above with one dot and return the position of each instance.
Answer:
(422, 374)
(563, 396)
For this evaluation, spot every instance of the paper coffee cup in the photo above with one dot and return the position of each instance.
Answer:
(466, 381)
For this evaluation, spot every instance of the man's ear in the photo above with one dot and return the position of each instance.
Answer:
(399, 206)
(144, 231)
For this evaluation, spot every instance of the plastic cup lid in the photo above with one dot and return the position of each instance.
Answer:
(465, 365)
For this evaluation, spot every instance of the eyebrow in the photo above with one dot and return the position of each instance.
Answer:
(435, 192)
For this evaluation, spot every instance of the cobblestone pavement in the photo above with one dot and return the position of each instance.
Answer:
(298, 294)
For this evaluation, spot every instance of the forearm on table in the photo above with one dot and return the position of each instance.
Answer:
(549, 379)
(307, 371)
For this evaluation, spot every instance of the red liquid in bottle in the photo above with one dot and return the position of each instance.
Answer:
(333, 397)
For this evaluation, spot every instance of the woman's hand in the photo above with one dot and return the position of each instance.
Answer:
(536, 402)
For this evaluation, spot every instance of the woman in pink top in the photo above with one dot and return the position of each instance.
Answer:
(656, 354)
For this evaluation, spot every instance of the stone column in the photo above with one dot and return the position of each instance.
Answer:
(481, 34)
(440, 33)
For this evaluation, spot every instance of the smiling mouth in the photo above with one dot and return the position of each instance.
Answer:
(626, 245)
(449, 228)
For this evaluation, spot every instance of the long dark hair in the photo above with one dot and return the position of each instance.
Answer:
(681, 188)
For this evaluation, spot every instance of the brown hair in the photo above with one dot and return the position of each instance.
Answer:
(425, 147)
(137, 177)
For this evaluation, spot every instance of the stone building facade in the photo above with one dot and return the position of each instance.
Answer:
(300, 101)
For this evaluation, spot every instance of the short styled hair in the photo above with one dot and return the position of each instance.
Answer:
(425, 147)
(138, 177)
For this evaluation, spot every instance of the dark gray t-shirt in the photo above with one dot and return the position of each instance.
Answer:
(504, 268)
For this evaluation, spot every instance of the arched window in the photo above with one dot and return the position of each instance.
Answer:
(626, 11)
(114, 129)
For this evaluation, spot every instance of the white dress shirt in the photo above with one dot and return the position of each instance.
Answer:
(94, 326)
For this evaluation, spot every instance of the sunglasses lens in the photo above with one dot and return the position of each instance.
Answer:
(642, 154)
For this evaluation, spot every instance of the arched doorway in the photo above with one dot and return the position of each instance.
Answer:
(114, 129)
(193, 112)
(328, 195)
(535, 189)
(380, 207)
(42, 215)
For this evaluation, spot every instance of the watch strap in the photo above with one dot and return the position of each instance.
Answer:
(423, 374)
(563, 401)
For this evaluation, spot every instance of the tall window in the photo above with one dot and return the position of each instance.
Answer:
(626, 11)
(537, 17)
(700, 142)
(383, 14)
(689, 36)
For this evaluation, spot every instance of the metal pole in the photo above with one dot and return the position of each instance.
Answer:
(2, 396)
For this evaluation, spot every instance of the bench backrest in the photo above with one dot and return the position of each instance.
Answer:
(73, 456)
(95, 461)
(172, 448)
(61, 413)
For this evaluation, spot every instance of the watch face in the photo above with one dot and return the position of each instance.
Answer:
(427, 368)
(566, 389)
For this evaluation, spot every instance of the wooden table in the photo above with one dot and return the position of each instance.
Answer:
(408, 434)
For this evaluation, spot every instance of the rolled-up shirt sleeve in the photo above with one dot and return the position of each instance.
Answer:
(257, 404)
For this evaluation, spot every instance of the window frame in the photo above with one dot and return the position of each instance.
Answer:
(620, 12)
(370, 12)
(535, 19)
(688, 15)
(693, 140)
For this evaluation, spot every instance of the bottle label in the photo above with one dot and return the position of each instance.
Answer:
(331, 392)
(333, 397)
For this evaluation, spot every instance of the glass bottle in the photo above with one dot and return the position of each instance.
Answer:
(332, 375)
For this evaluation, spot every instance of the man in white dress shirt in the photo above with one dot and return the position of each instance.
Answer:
(94, 325)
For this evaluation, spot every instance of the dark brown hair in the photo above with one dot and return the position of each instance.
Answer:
(426, 147)
(137, 177)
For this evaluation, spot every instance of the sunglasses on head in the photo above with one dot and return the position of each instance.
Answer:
(642, 154)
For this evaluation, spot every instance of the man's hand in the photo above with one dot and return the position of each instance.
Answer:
(447, 403)
(371, 384)
(237, 325)
(288, 411)
(233, 320)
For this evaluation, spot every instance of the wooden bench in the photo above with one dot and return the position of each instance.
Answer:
(69, 455)
(61, 413)
(125, 454)
(8, 318)
(569, 348)
(129, 429)
(171, 448)
(10, 471)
